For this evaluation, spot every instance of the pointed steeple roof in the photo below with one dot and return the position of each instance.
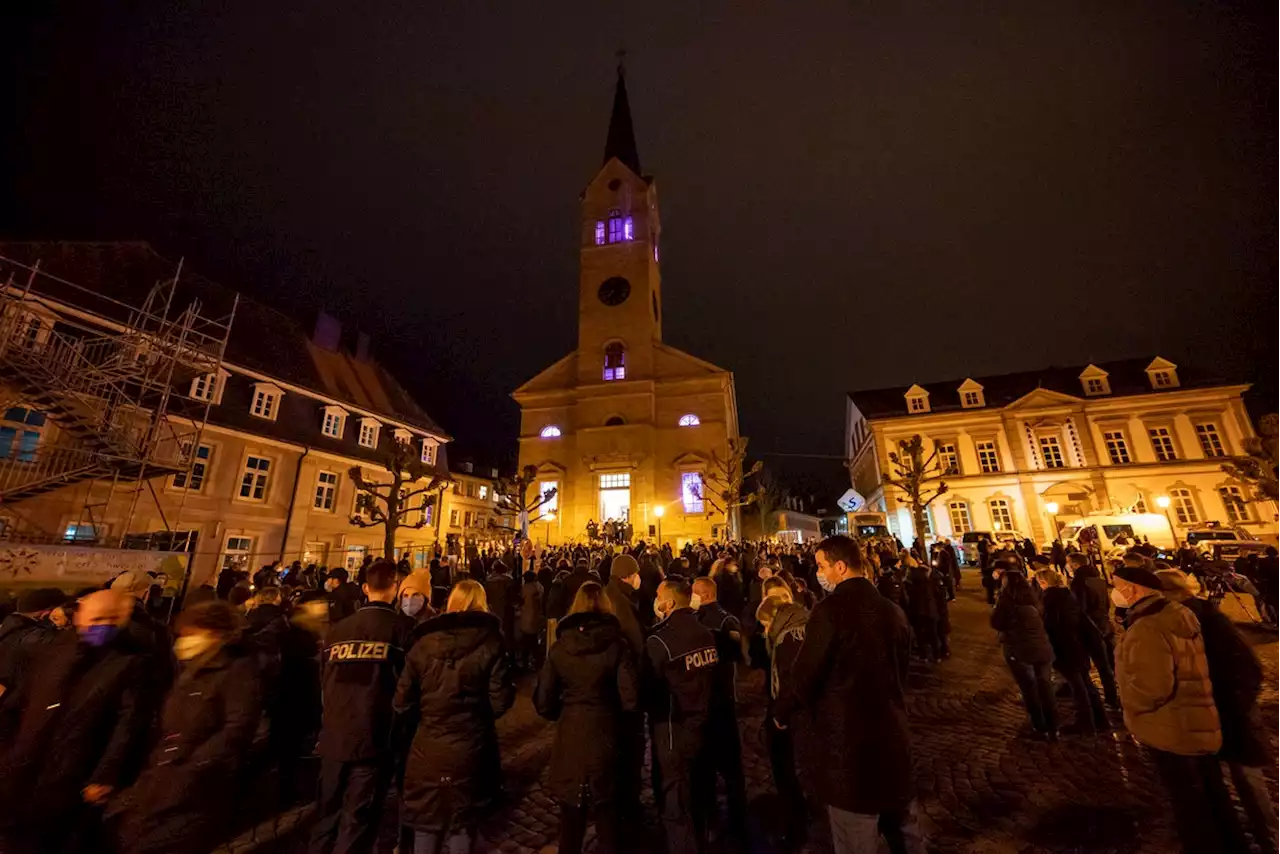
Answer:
(621, 142)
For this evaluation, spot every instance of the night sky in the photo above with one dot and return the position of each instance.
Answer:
(853, 194)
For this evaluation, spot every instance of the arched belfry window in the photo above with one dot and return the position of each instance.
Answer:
(615, 362)
(690, 420)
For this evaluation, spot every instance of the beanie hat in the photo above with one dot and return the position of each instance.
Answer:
(41, 599)
(1140, 576)
(624, 566)
(131, 581)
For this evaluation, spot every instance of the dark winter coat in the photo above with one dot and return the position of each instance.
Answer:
(575, 579)
(207, 727)
(1063, 622)
(531, 619)
(1021, 628)
(1237, 680)
(731, 593)
(84, 720)
(623, 598)
(503, 594)
(21, 642)
(344, 601)
(888, 586)
(588, 682)
(850, 675)
(557, 605)
(1094, 598)
(922, 599)
(456, 676)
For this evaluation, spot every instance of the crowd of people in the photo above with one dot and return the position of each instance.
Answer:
(611, 532)
(395, 678)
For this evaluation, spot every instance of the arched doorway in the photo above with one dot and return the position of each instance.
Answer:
(1074, 499)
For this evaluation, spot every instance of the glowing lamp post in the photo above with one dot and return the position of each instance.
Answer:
(658, 513)
(1162, 502)
(1052, 508)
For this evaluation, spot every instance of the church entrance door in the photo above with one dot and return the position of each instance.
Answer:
(615, 496)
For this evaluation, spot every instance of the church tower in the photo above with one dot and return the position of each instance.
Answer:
(619, 281)
(625, 427)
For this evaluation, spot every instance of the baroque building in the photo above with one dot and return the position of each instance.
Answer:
(626, 426)
(1113, 436)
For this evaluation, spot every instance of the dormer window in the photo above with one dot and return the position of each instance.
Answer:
(403, 436)
(429, 452)
(266, 401)
(333, 422)
(551, 431)
(1094, 381)
(599, 232)
(1162, 373)
(615, 356)
(917, 399)
(971, 395)
(208, 387)
(369, 429)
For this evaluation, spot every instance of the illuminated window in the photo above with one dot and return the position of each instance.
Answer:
(988, 457)
(1233, 500)
(628, 229)
(453, 518)
(199, 468)
(615, 226)
(615, 356)
(18, 441)
(237, 553)
(326, 490)
(1051, 452)
(1117, 447)
(948, 459)
(551, 431)
(689, 420)
(960, 522)
(599, 232)
(691, 492)
(554, 501)
(484, 492)
(1210, 441)
(1184, 506)
(253, 485)
(1001, 517)
(1162, 443)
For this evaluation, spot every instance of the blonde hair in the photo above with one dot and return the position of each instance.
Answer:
(591, 599)
(775, 587)
(1050, 578)
(467, 595)
(769, 608)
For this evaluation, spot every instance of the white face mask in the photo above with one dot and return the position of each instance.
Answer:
(695, 601)
(331, 585)
(412, 604)
(188, 647)
(1118, 600)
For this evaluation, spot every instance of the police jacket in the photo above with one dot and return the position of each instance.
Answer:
(362, 659)
(723, 627)
(680, 659)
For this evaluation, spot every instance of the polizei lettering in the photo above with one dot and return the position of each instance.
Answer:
(359, 651)
(701, 658)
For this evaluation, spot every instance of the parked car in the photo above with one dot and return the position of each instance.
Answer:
(1219, 541)
(998, 540)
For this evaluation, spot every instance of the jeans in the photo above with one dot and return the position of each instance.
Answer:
(859, 833)
(573, 828)
(1090, 716)
(926, 629)
(1035, 681)
(1201, 804)
(782, 760)
(721, 755)
(452, 841)
(350, 806)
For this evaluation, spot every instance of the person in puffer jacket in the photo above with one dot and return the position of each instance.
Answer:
(588, 682)
(783, 625)
(457, 678)
(1163, 677)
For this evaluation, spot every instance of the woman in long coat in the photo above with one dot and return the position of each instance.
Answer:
(184, 796)
(456, 675)
(587, 683)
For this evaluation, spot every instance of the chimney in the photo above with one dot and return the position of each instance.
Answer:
(328, 332)
(467, 467)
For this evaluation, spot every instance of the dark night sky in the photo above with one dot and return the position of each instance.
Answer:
(853, 194)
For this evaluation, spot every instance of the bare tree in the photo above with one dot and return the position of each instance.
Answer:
(724, 478)
(511, 498)
(1258, 467)
(915, 475)
(390, 504)
(770, 495)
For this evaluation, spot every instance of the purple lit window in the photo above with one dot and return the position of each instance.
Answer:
(628, 229)
(691, 492)
(599, 232)
(615, 227)
(615, 368)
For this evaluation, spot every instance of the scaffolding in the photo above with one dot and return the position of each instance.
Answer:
(116, 381)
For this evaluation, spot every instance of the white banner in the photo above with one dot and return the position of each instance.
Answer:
(83, 566)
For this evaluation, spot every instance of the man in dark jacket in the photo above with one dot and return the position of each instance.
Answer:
(1095, 604)
(624, 580)
(680, 658)
(850, 674)
(81, 733)
(362, 660)
(722, 752)
(23, 634)
(621, 591)
(344, 596)
(503, 592)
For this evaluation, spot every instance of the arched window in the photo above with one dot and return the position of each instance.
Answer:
(615, 358)
(615, 421)
(689, 420)
(551, 431)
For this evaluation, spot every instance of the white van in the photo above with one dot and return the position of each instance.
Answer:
(1117, 532)
(997, 539)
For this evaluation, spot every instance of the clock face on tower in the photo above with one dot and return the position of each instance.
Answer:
(614, 291)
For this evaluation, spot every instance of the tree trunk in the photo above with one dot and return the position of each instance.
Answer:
(917, 518)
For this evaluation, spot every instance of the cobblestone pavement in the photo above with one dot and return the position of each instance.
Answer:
(983, 785)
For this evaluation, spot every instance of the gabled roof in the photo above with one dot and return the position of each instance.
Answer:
(621, 141)
(1126, 377)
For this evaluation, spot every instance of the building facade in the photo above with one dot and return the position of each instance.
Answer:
(625, 424)
(267, 427)
(1116, 436)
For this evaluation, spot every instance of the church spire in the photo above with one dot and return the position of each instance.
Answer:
(621, 142)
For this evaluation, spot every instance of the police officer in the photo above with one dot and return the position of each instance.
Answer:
(680, 659)
(361, 661)
(722, 751)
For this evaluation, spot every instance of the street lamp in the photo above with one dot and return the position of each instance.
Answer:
(550, 517)
(658, 512)
(1052, 507)
(1162, 501)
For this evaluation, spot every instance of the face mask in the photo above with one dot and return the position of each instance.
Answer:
(695, 601)
(826, 585)
(1118, 600)
(634, 581)
(412, 603)
(331, 585)
(188, 647)
(98, 635)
